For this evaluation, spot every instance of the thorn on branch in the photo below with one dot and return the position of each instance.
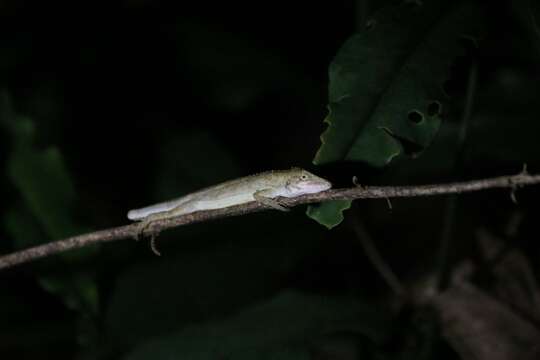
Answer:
(389, 204)
(513, 194)
(524, 170)
(356, 183)
(513, 189)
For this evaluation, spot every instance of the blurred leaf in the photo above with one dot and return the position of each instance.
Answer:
(22, 226)
(49, 198)
(200, 286)
(288, 324)
(509, 141)
(27, 328)
(464, 308)
(78, 291)
(505, 113)
(43, 181)
(385, 90)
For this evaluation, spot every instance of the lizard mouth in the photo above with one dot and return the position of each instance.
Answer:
(317, 186)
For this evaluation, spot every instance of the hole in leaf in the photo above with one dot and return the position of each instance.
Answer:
(415, 116)
(410, 148)
(434, 108)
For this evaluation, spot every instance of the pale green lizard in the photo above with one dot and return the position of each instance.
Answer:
(263, 188)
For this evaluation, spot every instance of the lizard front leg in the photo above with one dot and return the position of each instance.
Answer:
(263, 197)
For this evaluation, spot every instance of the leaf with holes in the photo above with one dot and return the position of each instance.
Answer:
(385, 90)
(290, 322)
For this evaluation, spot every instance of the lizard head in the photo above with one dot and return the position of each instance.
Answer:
(300, 181)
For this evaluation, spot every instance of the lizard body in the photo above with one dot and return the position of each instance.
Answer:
(261, 187)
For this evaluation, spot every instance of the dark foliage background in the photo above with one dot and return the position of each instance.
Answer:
(108, 106)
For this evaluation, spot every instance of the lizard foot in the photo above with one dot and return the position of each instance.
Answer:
(145, 228)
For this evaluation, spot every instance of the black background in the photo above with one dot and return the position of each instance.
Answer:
(117, 85)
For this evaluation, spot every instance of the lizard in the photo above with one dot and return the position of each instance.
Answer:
(262, 188)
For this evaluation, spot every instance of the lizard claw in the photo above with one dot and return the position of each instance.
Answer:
(153, 245)
(145, 228)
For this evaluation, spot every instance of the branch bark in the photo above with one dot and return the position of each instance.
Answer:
(372, 192)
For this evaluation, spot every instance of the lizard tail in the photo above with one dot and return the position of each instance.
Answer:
(142, 213)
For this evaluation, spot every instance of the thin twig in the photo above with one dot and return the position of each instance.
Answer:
(375, 257)
(366, 192)
(450, 209)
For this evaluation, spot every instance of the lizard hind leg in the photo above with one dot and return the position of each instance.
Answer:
(146, 226)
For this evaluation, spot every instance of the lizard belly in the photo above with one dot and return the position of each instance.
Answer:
(222, 202)
(139, 214)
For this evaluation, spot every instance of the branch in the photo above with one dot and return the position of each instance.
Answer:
(359, 192)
